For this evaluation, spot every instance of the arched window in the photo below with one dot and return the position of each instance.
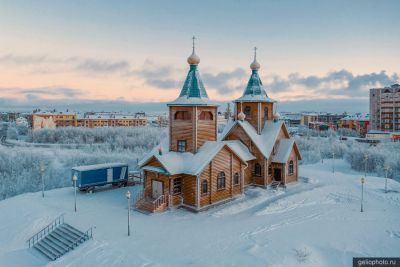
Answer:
(257, 169)
(266, 113)
(247, 111)
(206, 116)
(204, 187)
(236, 179)
(291, 167)
(182, 115)
(270, 169)
(221, 181)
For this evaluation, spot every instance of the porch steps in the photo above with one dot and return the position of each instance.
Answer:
(147, 206)
(275, 184)
(60, 240)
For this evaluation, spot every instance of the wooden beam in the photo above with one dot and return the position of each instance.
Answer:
(210, 183)
(231, 174)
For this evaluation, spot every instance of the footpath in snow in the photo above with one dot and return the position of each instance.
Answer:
(315, 222)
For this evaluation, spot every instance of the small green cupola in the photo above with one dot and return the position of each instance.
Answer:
(193, 92)
(255, 91)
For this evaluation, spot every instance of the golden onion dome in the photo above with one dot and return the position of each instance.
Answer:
(193, 59)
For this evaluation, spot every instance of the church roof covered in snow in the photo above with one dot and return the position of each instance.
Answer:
(282, 154)
(254, 91)
(264, 142)
(177, 162)
(193, 91)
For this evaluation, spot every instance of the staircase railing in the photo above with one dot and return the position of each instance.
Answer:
(85, 236)
(42, 233)
(159, 201)
(138, 197)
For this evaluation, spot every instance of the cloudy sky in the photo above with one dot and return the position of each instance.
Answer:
(313, 54)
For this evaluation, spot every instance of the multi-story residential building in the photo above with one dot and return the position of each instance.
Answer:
(307, 118)
(384, 108)
(54, 119)
(111, 120)
(358, 122)
(291, 119)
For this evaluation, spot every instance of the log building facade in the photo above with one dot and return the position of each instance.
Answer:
(198, 168)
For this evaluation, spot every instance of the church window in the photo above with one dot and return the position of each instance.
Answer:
(221, 181)
(206, 116)
(204, 187)
(236, 179)
(182, 115)
(257, 169)
(266, 113)
(247, 111)
(291, 167)
(177, 186)
(181, 145)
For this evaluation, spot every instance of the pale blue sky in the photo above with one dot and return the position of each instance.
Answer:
(310, 38)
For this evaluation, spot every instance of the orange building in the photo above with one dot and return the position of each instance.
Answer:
(53, 119)
(198, 168)
(111, 120)
(48, 119)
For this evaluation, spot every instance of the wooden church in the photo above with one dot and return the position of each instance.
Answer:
(198, 168)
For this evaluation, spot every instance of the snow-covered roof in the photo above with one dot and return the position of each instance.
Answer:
(52, 112)
(112, 116)
(255, 98)
(356, 117)
(192, 101)
(283, 151)
(264, 141)
(177, 162)
(99, 166)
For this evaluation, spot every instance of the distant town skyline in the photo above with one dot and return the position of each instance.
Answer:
(314, 55)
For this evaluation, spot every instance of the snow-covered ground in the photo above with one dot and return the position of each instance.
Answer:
(316, 222)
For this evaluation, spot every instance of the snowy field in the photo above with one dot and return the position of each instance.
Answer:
(315, 222)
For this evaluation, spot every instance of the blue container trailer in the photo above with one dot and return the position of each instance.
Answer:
(100, 174)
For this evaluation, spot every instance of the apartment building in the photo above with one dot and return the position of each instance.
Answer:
(384, 108)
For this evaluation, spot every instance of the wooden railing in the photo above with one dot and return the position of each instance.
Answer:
(159, 201)
(42, 233)
(137, 197)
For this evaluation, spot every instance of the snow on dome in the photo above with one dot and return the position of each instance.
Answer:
(277, 116)
(241, 116)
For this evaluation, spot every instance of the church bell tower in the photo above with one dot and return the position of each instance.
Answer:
(254, 105)
(192, 116)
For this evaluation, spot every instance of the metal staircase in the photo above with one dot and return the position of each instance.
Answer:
(57, 238)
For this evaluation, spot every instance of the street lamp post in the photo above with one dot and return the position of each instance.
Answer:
(387, 168)
(42, 177)
(128, 197)
(362, 193)
(74, 179)
(365, 164)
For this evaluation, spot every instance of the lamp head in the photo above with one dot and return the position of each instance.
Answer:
(128, 195)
